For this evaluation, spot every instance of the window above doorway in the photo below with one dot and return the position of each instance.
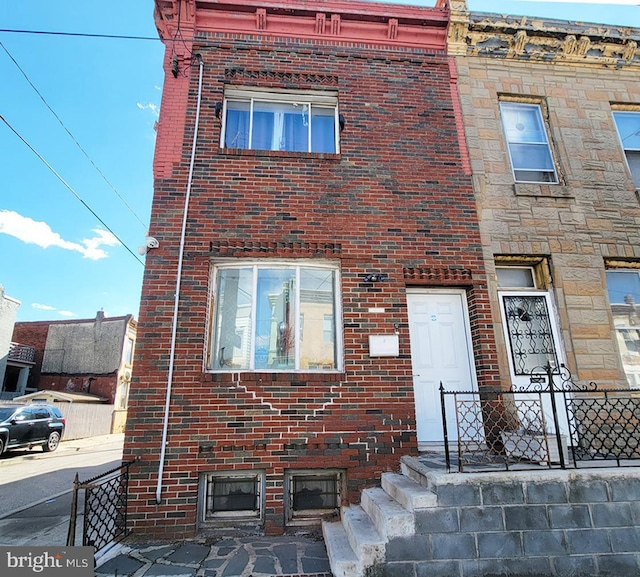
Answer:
(293, 121)
(515, 277)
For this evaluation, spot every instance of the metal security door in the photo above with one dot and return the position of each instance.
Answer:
(529, 325)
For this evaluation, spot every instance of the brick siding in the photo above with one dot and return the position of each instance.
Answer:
(397, 198)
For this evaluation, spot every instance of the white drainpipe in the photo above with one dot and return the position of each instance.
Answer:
(174, 327)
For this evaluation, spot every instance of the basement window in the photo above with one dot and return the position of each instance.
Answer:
(312, 493)
(233, 495)
(294, 121)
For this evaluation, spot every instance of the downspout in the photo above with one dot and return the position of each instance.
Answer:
(174, 327)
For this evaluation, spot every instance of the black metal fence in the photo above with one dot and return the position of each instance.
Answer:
(550, 422)
(104, 501)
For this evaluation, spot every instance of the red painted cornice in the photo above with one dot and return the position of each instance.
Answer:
(336, 21)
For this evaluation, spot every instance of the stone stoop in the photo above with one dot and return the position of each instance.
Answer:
(358, 541)
(429, 523)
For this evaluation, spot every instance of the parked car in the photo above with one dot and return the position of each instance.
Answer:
(26, 426)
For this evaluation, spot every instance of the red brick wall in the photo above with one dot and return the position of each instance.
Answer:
(398, 199)
(101, 385)
(34, 334)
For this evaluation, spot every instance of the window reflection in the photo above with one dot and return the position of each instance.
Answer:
(275, 318)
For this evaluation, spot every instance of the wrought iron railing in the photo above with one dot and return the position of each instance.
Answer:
(105, 508)
(550, 422)
(21, 353)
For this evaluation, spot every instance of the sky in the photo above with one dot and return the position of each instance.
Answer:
(77, 136)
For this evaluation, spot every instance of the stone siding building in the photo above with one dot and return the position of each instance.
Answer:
(552, 117)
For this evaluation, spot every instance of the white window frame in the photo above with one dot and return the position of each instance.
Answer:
(310, 98)
(518, 171)
(298, 265)
(628, 151)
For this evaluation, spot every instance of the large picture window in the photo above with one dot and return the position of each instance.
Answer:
(300, 121)
(529, 149)
(274, 317)
(628, 125)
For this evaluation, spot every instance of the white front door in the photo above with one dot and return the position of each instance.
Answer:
(440, 353)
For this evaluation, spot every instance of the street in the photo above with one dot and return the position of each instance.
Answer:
(36, 487)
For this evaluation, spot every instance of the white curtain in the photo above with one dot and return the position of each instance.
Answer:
(277, 140)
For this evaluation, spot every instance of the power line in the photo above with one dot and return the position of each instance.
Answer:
(81, 34)
(73, 137)
(63, 181)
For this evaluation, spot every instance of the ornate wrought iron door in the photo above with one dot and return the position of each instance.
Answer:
(529, 331)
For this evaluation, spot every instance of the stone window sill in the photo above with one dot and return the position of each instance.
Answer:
(543, 190)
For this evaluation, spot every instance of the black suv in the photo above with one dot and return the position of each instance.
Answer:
(25, 426)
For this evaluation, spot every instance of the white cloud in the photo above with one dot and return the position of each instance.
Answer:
(50, 308)
(154, 108)
(39, 233)
(43, 307)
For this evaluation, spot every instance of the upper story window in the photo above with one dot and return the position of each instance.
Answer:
(628, 125)
(529, 149)
(128, 351)
(272, 317)
(295, 121)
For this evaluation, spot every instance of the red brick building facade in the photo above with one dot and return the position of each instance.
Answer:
(327, 275)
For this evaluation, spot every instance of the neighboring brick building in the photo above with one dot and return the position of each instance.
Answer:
(330, 269)
(551, 109)
(82, 355)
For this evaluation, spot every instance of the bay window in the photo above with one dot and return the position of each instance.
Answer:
(294, 121)
(273, 317)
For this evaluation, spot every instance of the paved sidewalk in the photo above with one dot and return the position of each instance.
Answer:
(295, 555)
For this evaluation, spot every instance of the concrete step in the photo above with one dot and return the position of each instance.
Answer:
(390, 518)
(407, 492)
(416, 471)
(365, 540)
(342, 559)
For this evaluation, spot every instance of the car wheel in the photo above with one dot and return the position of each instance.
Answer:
(52, 442)
(1, 445)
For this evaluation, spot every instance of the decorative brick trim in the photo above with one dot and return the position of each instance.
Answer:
(439, 276)
(284, 77)
(242, 247)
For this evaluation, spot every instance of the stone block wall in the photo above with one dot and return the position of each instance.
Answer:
(589, 220)
(583, 524)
